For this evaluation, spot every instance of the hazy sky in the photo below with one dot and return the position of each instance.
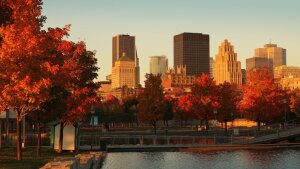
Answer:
(247, 24)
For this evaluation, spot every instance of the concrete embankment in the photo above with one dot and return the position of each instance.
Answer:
(200, 148)
(242, 147)
(92, 160)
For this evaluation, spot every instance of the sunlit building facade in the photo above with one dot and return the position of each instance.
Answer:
(276, 55)
(123, 73)
(226, 67)
(257, 63)
(286, 71)
(126, 44)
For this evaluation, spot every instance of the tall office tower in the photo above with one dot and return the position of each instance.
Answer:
(257, 63)
(276, 55)
(123, 73)
(158, 65)
(126, 44)
(211, 62)
(244, 76)
(226, 67)
(192, 50)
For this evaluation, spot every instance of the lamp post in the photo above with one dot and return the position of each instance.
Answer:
(231, 115)
(215, 113)
(93, 124)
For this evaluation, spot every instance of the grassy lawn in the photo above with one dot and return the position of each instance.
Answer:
(8, 158)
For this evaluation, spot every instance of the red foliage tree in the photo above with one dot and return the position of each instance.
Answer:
(77, 75)
(205, 96)
(24, 82)
(263, 98)
(184, 108)
(295, 102)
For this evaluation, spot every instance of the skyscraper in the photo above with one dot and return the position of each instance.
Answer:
(123, 73)
(226, 67)
(192, 50)
(126, 44)
(276, 55)
(158, 65)
(257, 63)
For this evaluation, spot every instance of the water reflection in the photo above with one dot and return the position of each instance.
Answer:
(245, 159)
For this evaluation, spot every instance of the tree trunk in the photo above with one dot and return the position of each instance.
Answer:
(39, 140)
(258, 125)
(225, 121)
(61, 135)
(154, 125)
(167, 124)
(19, 147)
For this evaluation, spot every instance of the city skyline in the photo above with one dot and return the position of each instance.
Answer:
(99, 21)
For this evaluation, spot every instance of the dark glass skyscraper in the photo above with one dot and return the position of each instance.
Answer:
(192, 50)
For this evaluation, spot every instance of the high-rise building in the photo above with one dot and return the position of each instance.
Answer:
(158, 65)
(211, 62)
(286, 71)
(276, 55)
(192, 50)
(257, 63)
(226, 67)
(123, 73)
(126, 44)
(244, 76)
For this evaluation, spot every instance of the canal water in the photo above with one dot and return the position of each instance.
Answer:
(241, 159)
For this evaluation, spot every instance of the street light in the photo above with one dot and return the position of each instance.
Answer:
(231, 115)
(215, 113)
(93, 124)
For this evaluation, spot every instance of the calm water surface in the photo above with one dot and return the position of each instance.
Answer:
(248, 159)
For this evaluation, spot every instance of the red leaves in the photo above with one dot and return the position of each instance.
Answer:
(205, 93)
(263, 97)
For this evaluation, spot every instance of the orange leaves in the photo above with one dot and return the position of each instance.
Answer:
(263, 97)
(65, 47)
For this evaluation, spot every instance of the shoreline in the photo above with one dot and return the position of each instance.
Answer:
(178, 148)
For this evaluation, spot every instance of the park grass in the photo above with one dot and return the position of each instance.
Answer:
(30, 160)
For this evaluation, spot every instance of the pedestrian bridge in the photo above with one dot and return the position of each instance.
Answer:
(281, 135)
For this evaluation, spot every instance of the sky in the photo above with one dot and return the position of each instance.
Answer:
(247, 24)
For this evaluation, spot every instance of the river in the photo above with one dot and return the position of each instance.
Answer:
(241, 159)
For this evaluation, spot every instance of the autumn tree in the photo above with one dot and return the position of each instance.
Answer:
(295, 102)
(150, 101)
(24, 72)
(76, 75)
(130, 108)
(205, 99)
(263, 98)
(184, 108)
(228, 98)
(167, 107)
